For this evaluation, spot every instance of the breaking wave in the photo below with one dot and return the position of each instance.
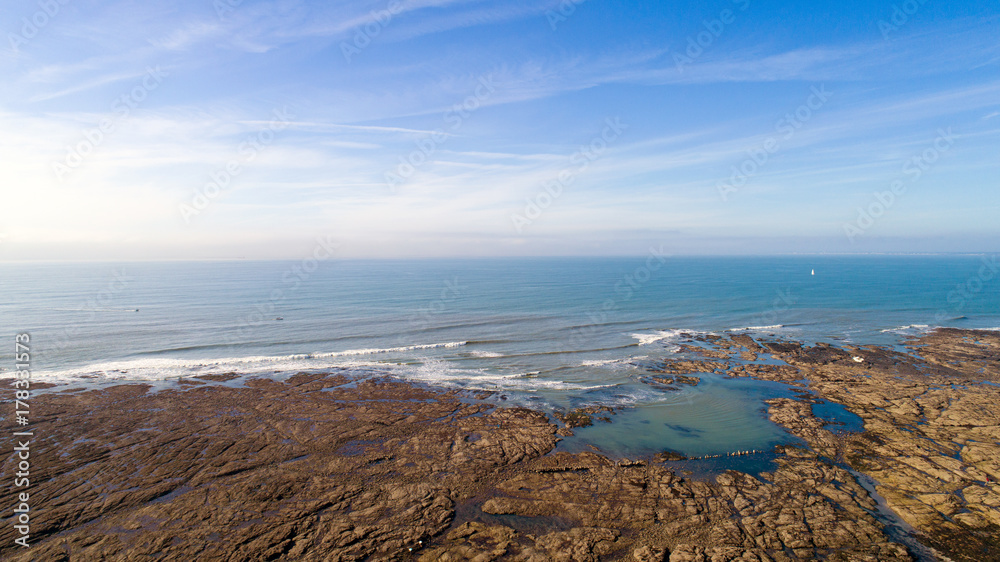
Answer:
(664, 335)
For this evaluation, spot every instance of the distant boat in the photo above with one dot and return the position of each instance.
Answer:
(814, 272)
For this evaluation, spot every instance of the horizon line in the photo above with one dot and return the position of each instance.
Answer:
(506, 257)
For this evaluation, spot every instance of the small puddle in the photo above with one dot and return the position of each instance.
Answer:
(837, 417)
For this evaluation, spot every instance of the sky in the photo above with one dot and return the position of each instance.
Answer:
(228, 129)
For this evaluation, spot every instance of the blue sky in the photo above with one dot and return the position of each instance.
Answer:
(190, 130)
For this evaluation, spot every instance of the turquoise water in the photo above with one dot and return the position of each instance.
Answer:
(840, 418)
(717, 416)
(559, 332)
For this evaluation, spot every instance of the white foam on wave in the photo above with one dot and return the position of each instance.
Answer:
(662, 335)
(601, 362)
(485, 354)
(638, 395)
(757, 328)
(374, 351)
(427, 370)
(165, 368)
(607, 362)
(908, 329)
(440, 373)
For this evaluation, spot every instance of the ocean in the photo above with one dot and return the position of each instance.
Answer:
(542, 332)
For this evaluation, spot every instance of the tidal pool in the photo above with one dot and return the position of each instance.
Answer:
(720, 415)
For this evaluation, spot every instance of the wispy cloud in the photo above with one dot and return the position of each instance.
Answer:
(347, 127)
(88, 85)
(552, 91)
(189, 35)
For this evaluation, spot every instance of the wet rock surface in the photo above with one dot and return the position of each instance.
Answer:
(680, 367)
(931, 435)
(672, 382)
(326, 467)
(584, 417)
(301, 470)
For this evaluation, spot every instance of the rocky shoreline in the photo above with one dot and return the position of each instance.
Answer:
(329, 467)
